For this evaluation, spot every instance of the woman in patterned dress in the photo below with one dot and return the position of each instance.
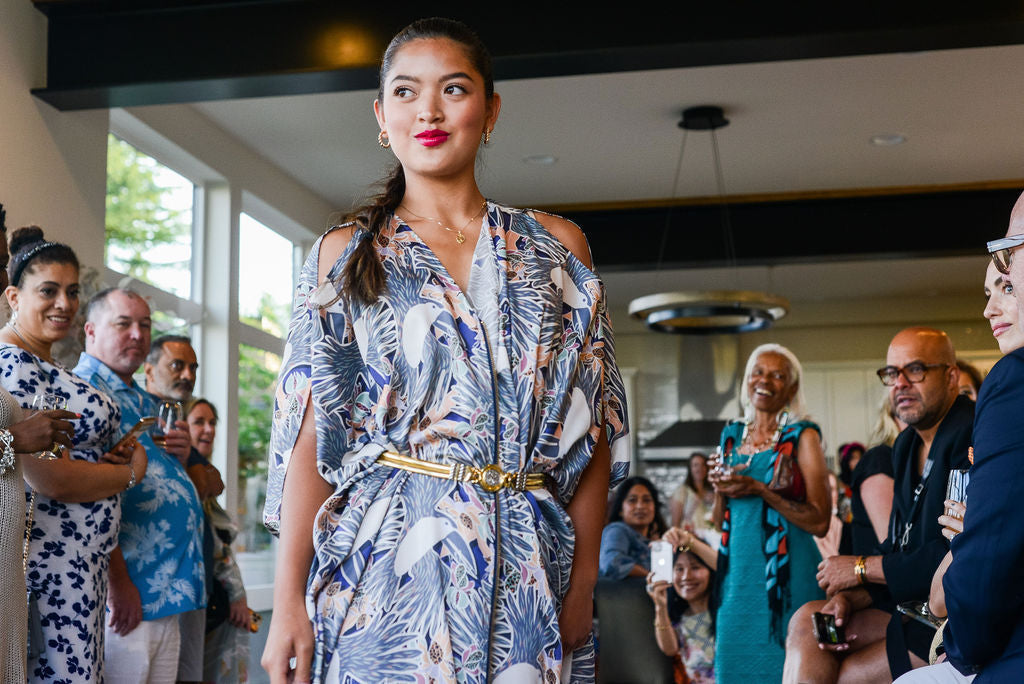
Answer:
(77, 507)
(449, 414)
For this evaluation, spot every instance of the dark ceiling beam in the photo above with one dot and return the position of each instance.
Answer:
(112, 53)
(797, 230)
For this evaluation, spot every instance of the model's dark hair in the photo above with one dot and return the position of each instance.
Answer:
(29, 248)
(364, 275)
(677, 605)
(615, 511)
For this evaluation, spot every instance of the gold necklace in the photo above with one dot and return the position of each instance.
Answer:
(459, 237)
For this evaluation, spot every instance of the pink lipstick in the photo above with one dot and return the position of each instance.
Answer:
(432, 137)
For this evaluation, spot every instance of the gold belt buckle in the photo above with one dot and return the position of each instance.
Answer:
(492, 478)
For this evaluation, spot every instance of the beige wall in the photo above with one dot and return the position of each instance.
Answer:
(52, 164)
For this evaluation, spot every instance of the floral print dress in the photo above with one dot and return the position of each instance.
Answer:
(419, 579)
(69, 554)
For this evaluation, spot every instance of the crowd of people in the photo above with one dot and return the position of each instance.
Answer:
(103, 530)
(904, 584)
(448, 422)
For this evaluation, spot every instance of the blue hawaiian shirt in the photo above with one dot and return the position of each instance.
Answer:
(161, 517)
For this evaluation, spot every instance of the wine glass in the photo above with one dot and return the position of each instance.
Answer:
(48, 400)
(167, 414)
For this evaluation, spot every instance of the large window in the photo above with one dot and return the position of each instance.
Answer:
(265, 284)
(149, 219)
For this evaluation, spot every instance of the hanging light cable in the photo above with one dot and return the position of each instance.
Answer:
(715, 311)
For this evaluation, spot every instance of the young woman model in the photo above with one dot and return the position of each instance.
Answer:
(449, 414)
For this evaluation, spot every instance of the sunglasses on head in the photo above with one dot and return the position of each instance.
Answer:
(1001, 251)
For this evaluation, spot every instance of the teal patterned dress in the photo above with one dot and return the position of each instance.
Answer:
(771, 566)
(423, 579)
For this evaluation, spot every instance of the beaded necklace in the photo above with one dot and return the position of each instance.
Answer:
(772, 442)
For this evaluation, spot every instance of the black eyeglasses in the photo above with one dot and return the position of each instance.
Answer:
(913, 372)
(1001, 251)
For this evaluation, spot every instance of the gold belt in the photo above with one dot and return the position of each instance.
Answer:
(491, 478)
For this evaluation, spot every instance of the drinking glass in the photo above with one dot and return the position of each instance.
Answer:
(48, 400)
(168, 414)
(956, 488)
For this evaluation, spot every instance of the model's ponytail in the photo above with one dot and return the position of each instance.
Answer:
(364, 274)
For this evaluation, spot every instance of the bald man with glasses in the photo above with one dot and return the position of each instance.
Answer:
(863, 592)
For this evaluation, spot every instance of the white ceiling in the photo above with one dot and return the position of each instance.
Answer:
(795, 126)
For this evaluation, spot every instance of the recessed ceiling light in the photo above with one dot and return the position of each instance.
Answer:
(540, 159)
(888, 139)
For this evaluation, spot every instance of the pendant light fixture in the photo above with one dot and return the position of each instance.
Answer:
(713, 311)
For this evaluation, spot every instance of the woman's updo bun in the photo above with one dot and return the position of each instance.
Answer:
(24, 236)
(28, 248)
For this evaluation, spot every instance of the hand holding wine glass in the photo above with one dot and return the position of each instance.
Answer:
(171, 432)
(48, 400)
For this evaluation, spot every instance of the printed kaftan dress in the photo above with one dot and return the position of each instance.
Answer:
(419, 579)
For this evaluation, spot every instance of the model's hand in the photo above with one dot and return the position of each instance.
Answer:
(125, 606)
(179, 443)
(576, 621)
(839, 606)
(290, 636)
(836, 573)
(42, 429)
(952, 525)
(238, 614)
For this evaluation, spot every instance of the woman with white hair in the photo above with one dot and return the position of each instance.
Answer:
(772, 498)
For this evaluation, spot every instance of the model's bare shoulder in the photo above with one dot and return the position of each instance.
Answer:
(568, 233)
(333, 245)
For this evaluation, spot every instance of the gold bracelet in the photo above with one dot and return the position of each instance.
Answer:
(860, 570)
(660, 626)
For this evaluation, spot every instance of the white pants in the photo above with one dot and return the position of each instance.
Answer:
(192, 624)
(940, 673)
(146, 655)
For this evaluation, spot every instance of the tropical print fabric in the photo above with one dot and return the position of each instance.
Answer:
(161, 534)
(417, 578)
(767, 568)
(69, 554)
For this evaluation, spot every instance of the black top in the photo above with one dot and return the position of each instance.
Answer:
(877, 460)
(985, 584)
(908, 570)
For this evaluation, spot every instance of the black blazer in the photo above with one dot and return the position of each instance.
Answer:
(985, 584)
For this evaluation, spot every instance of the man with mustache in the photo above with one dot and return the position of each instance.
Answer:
(922, 378)
(156, 573)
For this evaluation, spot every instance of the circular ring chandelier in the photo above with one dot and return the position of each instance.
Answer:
(716, 311)
(709, 313)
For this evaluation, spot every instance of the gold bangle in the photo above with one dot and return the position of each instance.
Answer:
(860, 570)
(659, 626)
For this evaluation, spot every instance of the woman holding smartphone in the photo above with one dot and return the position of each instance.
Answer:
(449, 413)
(75, 486)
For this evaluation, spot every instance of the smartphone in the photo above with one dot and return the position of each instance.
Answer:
(826, 630)
(137, 430)
(918, 610)
(661, 561)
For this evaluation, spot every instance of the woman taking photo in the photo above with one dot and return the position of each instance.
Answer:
(634, 521)
(76, 512)
(684, 612)
(449, 413)
(773, 503)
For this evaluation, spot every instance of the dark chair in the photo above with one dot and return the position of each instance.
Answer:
(627, 650)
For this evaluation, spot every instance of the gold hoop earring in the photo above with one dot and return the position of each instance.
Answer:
(383, 141)
(487, 137)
